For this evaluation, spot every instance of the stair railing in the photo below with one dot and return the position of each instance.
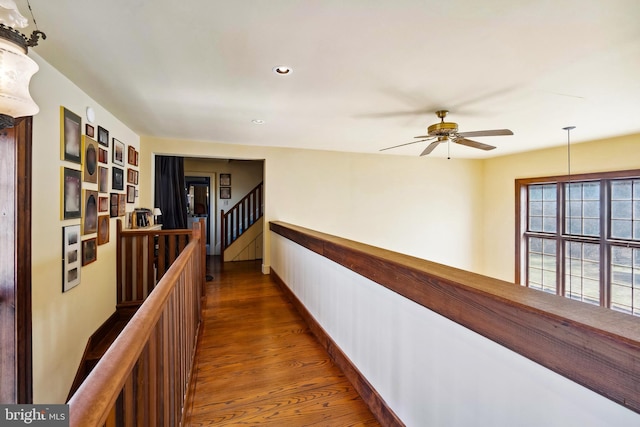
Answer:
(143, 257)
(143, 377)
(241, 216)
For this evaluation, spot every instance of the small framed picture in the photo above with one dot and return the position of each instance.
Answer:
(122, 204)
(131, 194)
(131, 155)
(117, 179)
(103, 156)
(90, 160)
(89, 251)
(225, 192)
(103, 204)
(118, 152)
(225, 179)
(89, 131)
(90, 213)
(113, 205)
(70, 257)
(103, 229)
(103, 179)
(103, 136)
(70, 205)
(70, 133)
(131, 176)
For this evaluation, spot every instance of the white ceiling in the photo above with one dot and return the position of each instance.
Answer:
(368, 74)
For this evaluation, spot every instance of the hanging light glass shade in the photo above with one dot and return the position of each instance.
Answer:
(16, 68)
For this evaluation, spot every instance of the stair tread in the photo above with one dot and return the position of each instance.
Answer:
(101, 346)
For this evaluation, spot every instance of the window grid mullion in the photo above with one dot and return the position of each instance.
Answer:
(605, 247)
(560, 246)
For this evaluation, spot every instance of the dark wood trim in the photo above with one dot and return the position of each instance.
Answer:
(369, 395)
(15, 269)
(593, 346)
(631, 173)
(23, 128)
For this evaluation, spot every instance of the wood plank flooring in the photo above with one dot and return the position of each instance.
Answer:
(257, 362)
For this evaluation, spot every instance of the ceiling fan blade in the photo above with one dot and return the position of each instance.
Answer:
(474, 144)
(424, 136)
(430, 148)
(406, 143)
(495, 132)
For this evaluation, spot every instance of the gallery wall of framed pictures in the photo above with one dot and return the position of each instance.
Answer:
(92, 190)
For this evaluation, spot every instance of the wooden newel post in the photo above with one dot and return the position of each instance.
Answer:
(222, 235)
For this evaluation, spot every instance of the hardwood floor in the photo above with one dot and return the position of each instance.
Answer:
(257, 362)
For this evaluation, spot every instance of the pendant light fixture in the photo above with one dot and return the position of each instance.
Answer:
(16, 68)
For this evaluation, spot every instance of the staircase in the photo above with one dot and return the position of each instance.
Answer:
(99, 342)
(144, 255)
(237, 221)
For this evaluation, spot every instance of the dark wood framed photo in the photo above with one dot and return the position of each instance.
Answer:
(132, 176)
(103, 204)
(89, 130)
(90, 213)
(225, 179)
(131, 155)
(103, 156)
(225, 192)
(103, 179)
(89, 251)
(103, 229)
(71, 260)
(70, 133)
(131, 194)
(118, 152)
(71, 204)
(113, 205)
(103, 136)
(117, 178)
(122, 204)
(90, 160)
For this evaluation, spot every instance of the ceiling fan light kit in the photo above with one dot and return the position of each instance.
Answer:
(448, 131)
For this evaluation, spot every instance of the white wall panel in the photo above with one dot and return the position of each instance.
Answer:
(430, 370)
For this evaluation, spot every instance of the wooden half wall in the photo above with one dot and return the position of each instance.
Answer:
(594, 347)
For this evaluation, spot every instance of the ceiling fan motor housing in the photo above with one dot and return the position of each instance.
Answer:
(442, 129)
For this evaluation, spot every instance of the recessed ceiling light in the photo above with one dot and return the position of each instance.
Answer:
(257, 121)
(282, 70)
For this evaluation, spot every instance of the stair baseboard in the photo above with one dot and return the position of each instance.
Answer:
(100, 341)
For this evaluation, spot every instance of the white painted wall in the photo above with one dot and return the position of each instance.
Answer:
(62, 322)
(430, 370)
(500, 173)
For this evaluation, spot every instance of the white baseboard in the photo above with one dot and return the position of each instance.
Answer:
(266, 269)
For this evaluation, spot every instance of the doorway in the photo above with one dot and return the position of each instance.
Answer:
(198, 189)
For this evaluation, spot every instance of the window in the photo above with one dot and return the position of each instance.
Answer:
(579, 237)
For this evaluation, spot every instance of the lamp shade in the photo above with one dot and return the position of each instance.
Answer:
(16, 70)
(157, 212)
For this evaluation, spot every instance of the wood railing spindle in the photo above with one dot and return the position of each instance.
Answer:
(142, 378)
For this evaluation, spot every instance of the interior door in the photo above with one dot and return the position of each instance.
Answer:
(198, 190)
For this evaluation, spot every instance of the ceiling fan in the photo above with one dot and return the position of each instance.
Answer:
(448, 131)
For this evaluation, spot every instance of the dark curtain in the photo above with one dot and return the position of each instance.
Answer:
(170, 193)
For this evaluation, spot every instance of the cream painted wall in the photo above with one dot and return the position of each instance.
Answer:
(425, 207)
(62, 322)
(245, 175)
(620, 153)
